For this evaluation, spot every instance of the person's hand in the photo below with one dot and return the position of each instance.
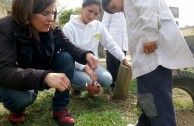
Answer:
(92, 61)
(150, 47)
(91, 73)
(58, 81)
(126, 63)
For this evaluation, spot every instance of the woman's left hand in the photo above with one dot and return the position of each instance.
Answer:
(92, 61)
(126, 63)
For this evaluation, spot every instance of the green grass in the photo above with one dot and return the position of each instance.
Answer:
(98, 111)
(182, 100)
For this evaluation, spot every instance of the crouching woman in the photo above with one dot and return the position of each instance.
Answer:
(36, 55)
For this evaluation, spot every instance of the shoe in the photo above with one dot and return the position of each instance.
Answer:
(15, 118)
(64, 118)
(75, 94)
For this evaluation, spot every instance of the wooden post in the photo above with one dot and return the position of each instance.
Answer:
(123, 80)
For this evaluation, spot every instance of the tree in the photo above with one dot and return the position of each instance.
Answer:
(64, 15)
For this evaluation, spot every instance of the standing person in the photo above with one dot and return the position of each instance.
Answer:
(86, 32)
(36, 55)
(156, 46)
(116, 26)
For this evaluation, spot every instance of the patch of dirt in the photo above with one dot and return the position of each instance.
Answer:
(183, 108)
(185, 118)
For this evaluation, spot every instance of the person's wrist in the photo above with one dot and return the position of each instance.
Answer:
(86, 68)
(44, 78)
(124, 61)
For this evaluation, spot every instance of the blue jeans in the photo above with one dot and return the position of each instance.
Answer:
(155, 98)
(17, 101)
(80, 78)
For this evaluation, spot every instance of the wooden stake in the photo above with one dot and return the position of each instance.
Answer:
(123, 80)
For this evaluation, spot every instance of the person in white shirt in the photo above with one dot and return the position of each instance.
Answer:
(156, 46)
(116, 26)
(86, 32)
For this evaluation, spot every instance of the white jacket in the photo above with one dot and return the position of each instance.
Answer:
(89, 36)
(116, 26)
(151, 20)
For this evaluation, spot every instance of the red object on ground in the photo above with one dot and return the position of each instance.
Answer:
(94, 88)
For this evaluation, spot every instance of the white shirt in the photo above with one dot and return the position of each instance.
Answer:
(89, 36)
(116, 26)
(151, 20)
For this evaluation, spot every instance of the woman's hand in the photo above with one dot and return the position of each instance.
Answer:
(126, 63)
(92, 61)
(91, 73)
(58, 81)
(150, 47)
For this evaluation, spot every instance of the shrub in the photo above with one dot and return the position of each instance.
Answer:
(64, 15)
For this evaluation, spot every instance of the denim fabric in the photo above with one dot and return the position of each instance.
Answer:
(62, 63)
(17, 101)
(80, 78)
(156, 88)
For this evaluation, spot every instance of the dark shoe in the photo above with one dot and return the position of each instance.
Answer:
(64, 118)
(75, 93)
(15, 118)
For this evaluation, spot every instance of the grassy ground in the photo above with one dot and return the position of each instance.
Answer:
(98, 111)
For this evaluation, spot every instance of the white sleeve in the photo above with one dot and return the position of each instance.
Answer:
(149, 15)
(70, 34)
(106, 19)
(79, 66)
(107, 41)
(67, 30)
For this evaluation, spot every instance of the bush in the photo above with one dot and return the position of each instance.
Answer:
(64, 15)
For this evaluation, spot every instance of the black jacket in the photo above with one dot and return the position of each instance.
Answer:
(23, 59)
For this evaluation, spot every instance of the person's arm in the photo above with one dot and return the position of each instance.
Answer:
(11, 75)
(69, 34)
(63, 42)
(60, 80)
(107, 41)
(149, 16)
